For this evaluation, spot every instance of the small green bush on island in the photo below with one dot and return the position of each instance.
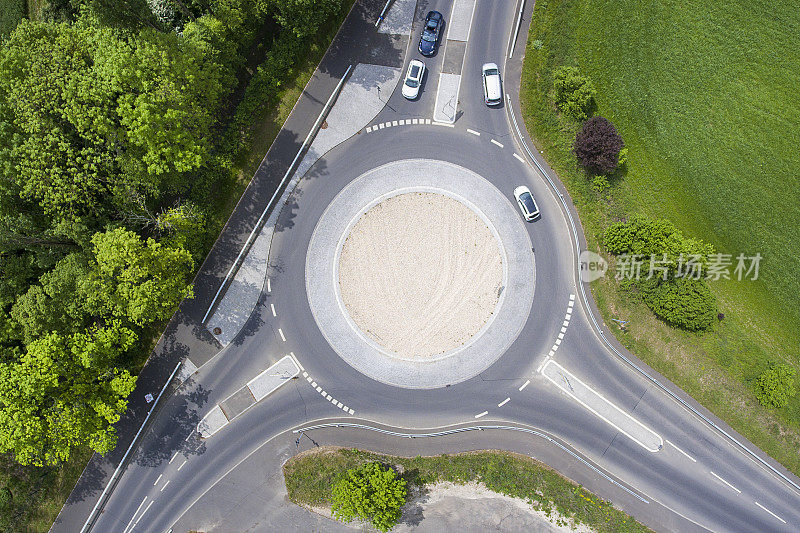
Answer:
(776, 385)
(371, 493)
(310, 478)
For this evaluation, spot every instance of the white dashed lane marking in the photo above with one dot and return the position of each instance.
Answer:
(183, 463)
(269, 285)
(476, 133)
(173, 457)
(165, 486)
(479, 415)
(496, 143)
(501, 404)
(158, 479)
(272, 306)
(719, 478)
(327, 396)
(518, 157)
(770, 512)
(282, 335)
(527, 382)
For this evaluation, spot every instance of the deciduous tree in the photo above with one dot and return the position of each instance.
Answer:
(597, 145)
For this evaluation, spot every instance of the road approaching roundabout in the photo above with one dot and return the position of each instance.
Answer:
(419, 313)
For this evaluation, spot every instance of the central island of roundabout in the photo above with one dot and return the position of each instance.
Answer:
(420, 273)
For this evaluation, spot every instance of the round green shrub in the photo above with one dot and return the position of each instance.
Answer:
(775, 386)
(371, 493)
(683, 302)
(574, 94)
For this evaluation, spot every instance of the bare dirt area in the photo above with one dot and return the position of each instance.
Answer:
(420, 274)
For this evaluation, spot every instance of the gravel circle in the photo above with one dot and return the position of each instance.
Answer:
(420, 274)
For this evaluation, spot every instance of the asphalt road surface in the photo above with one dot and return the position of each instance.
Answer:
(699, 479)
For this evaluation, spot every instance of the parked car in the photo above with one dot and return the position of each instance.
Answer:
(526, 203)
(413, 81)
(492, 92)
(430, 33)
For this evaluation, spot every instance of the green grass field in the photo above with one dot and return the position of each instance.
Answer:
(704, 95)
(310, 477)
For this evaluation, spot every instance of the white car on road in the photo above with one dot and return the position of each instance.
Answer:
(416, 70)
(526, 203)
(492, 94)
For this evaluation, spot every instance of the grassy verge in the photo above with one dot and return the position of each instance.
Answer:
(310, 478)
(695, 89)
(39, 493)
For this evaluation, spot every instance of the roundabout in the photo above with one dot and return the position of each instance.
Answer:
(430, 245)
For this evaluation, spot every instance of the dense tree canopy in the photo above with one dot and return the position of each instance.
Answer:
(115, 121)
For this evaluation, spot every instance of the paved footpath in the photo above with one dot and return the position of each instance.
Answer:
(185, 336)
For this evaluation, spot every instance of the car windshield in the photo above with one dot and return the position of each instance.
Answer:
(491, 72)
(428, 35)
(527, 201)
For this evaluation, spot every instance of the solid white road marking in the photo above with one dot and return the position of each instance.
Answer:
(719, 478)
(473, 132)
(501, 404)
(524, 385)
(272, 306)
(496, 143)
(770, 512)
(683, 452)
(158, 479)
(445, 124)
(282, 335)
(518, 157)
(143, 512)
(569, 388)
(134, 515)
(173, 457)
(183, 463)
(482, 414)
(297, 361)
(165, 486)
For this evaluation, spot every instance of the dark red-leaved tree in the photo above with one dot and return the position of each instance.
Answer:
(597, 145)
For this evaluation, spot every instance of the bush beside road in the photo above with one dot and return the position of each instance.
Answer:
(311, 476)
